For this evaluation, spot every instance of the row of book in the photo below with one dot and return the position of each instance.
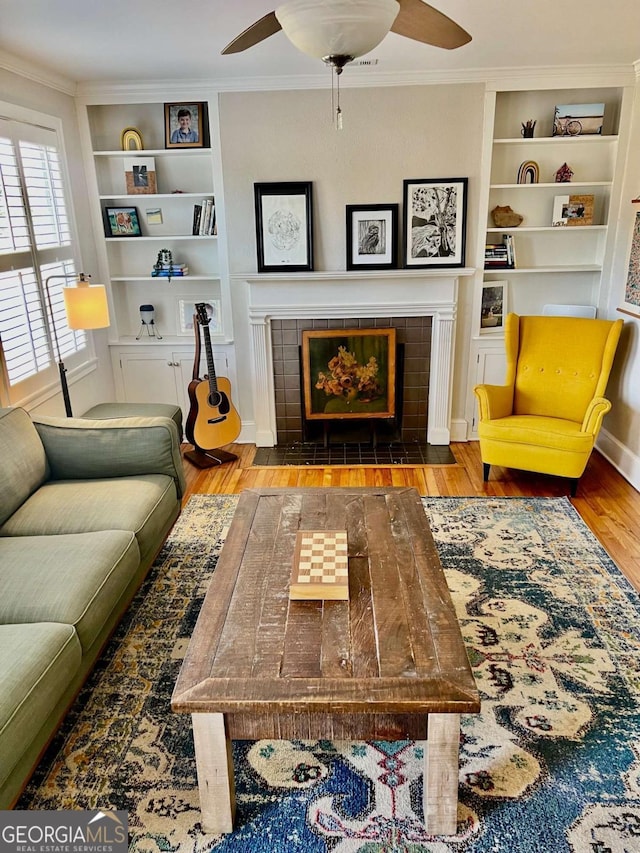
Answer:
(500, 256)
(204, 218)
(169, 270)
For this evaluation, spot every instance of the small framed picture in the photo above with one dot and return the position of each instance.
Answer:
(631, 299)
(372, 236)
(578, 119)
(284, 232)
(122, 222)
(185, 125)
(187, 309)
(140, 175)
(572, 210)
(493, 307)
(435, 222)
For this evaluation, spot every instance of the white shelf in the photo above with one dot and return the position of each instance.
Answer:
(164, 237)
(554, 185)
(155, 152)
(556, 268)
(586, 139)
(556, 228)
(152, 196)
(174, 278)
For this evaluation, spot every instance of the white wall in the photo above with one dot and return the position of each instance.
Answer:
(389, 134)
(620, 436)
(16, 89)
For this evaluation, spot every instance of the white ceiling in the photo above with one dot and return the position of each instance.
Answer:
(126, 41)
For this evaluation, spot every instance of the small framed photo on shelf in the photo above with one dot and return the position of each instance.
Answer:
(187, 310)
(372, 236)
(140, 175)
(284, 231)
(435, 222)
(572, 210)
(185, 125)
(122, 222)
(493, 307)
(578, 119)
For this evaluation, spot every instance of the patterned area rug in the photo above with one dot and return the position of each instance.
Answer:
(552, 763)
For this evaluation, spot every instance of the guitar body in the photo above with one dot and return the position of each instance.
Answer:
(213, 419)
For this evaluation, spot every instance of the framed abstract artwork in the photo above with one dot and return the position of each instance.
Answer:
(435, 222)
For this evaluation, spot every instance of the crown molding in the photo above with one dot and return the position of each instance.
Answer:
(37, 73)
(493, 78)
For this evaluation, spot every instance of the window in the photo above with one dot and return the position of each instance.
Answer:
(35, 243)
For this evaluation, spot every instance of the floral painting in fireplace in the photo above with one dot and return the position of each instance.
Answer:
(349, 373)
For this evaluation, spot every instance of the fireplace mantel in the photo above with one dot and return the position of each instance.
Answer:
(389, 293)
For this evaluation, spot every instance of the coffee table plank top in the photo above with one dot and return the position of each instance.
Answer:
(394, 647)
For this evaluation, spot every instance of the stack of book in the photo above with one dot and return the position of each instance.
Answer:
(500, 256)
(169, 270)
(204, 218)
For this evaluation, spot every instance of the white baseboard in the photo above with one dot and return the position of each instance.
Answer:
(622, 459)
(459, 430)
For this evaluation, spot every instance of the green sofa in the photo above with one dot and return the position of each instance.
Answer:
(85, 506)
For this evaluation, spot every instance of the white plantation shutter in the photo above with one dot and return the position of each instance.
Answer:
(35, 243)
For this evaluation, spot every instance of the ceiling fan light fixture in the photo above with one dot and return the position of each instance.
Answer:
(331, 28)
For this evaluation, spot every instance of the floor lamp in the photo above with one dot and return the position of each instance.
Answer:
(86, 308)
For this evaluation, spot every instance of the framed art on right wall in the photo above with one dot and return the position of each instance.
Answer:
(493, 307)
(435, 222)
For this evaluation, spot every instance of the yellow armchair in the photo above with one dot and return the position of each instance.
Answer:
(547, 415)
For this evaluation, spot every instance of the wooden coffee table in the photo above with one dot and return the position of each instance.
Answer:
(388, 664)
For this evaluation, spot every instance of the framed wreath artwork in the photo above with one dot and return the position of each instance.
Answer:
(284, 233)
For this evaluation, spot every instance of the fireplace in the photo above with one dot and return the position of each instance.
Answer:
(413, 344)
(352, 297)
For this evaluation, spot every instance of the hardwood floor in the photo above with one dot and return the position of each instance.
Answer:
(609, 505)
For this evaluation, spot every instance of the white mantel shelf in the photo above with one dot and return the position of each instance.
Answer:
(349, 294)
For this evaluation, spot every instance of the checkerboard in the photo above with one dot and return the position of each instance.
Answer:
(320, 565)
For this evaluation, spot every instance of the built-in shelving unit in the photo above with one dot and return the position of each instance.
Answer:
(146, 367)
(553, 264)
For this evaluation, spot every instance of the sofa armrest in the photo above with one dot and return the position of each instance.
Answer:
(596, 410)
(79, 449)
(494, 401)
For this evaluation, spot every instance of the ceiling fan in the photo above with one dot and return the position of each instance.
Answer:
(338, 31)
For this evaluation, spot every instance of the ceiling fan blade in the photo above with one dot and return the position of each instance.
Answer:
(420, 22)
(262, 29)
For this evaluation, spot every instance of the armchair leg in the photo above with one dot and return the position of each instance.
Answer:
(574, 487)
(485, 471)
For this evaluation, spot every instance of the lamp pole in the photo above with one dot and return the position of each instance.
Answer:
(61, 368)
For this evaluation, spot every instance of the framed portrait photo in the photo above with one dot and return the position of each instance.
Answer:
(122, 222)
(493, 307)
(435, 213)
(284, 232)
(185, 125)
(349, 373)
(372, 236)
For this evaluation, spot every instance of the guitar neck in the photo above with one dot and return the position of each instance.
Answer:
(211, 370)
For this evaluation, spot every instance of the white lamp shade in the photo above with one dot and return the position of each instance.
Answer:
(322, 28)
(86, 306)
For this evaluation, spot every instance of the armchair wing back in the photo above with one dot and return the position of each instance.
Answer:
(547, 415)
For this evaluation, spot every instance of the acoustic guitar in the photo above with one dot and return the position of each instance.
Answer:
(213, 419)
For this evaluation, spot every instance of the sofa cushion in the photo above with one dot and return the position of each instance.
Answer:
(552, 433)
(142, 505)
(74, 578)
(37, 663)
(24, 465)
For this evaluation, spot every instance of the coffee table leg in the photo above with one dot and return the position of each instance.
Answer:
(440, 785)
(214, 763)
